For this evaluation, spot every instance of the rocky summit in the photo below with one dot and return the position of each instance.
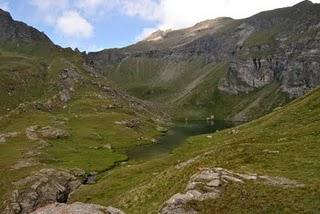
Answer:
(219, 117)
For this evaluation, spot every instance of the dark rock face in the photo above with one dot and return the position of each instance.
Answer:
(19, 32)
(42, 188)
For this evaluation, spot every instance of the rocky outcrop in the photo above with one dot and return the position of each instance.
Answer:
(36, 133)
(4, 137)
(42, 188)
(158, 35)
(208, 184)
(76, 208)
(40, 135)
(292, 59)
(295, 68)
(49, 132)
(69, 77)
(133, 123)
(25, 162)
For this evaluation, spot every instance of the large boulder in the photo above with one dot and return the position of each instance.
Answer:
(49, 132)
(35, 133)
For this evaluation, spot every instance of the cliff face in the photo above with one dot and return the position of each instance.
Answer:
(285, 47)
(279, 47)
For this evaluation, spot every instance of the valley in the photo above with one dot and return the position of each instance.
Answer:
(221, 117)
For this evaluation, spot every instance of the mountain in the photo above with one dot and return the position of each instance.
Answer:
(267, 60)
(67, 125)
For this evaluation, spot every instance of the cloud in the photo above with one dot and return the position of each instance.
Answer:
(69, 18)
(73, 25)
(50, 4)
(49, 10)
(95, 7)
(145, 9)
(93, 4)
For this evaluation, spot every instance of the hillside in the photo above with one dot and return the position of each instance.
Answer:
(57, 113)
(270, 165)
(204, 69)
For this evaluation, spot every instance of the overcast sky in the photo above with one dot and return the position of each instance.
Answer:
(97, 24)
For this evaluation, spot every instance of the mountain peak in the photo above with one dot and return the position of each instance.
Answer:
(157, 35)
(17, 33)
(304, 4)
(5, 14)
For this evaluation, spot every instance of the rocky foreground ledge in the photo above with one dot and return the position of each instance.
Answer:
(77, 208)
(42, 188)
(47, 192)
(209, 184)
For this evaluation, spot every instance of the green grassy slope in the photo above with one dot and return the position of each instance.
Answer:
(206, 99)
(293, 131)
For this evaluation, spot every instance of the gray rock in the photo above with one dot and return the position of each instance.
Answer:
(4, 137)
(132, 123)
(24, 163)
(31, 133)
(208, 184)
(35, 133)
(68, 78)
(41, 188)
(49, 132)
(214, 183)
(107, 146)
(76, 208)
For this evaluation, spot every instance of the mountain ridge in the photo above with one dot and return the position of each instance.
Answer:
(258, 51)
(12, 31)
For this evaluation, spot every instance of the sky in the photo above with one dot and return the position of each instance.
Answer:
(93, 25)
